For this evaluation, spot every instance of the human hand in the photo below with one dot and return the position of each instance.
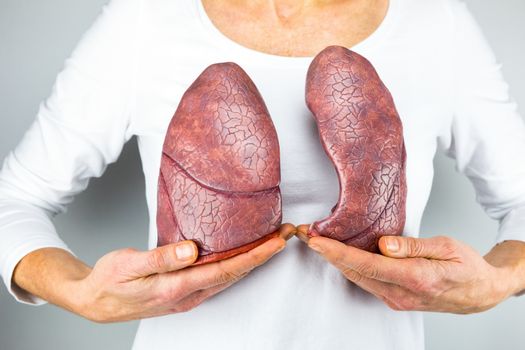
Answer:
(426, 274)
(128, 284)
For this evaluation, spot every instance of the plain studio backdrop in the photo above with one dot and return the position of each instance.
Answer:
(37, 36)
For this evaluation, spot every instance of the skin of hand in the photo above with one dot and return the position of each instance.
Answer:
(128, 284)
(437, 274)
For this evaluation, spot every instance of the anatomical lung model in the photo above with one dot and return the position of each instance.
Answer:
(362, 134)
(220, 172)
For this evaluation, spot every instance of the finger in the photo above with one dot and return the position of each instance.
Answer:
(440, 247)
(198, 297)
(286, 231)
(164, 259)
(378, 288)
(232, 269)
(370, 265)
(395, 296)
(302, 232)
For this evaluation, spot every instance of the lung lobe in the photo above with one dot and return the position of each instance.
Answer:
(362, 134)
(220, 170)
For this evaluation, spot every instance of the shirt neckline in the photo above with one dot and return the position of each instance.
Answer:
(377, 37)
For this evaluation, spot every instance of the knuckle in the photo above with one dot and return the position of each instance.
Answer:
(368, 270)
(156, 259)
(447, 244)
(414, 246)
(120, 254)
(444, 239)
(117, 262)
(226, 275)
(351, 275)
(125, 251)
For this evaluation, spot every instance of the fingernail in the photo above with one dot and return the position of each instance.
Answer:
(184, 251)
(392, 245)
(316, 248)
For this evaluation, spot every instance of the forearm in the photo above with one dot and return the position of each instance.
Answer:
(509, 256)
(53, 275)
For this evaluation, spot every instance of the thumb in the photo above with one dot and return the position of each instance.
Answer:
(167, 258)
(440, 247)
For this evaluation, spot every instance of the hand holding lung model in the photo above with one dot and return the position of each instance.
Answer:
(220, 169)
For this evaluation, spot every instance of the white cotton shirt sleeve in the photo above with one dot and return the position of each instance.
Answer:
(487, 134)
(78, 131)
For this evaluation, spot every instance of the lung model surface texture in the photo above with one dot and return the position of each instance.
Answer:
(220, 168)
(361, 132)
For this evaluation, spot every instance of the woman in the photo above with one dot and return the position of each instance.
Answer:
(126, 78)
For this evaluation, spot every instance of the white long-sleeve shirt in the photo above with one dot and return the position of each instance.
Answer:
(126, 77)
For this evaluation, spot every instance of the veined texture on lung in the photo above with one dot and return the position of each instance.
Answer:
(220, 169)
(361, 132)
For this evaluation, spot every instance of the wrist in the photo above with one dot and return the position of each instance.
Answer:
(508, 258)
(52, 274)
(503, 284)
(75, 293)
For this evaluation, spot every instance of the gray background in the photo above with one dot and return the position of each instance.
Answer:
(36, 37)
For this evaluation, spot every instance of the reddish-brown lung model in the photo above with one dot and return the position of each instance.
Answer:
(220, 172)
(362, 134)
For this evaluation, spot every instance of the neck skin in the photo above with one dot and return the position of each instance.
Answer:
(289, 10)
(302, 29)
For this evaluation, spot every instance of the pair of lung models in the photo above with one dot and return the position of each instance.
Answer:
(220, 168)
